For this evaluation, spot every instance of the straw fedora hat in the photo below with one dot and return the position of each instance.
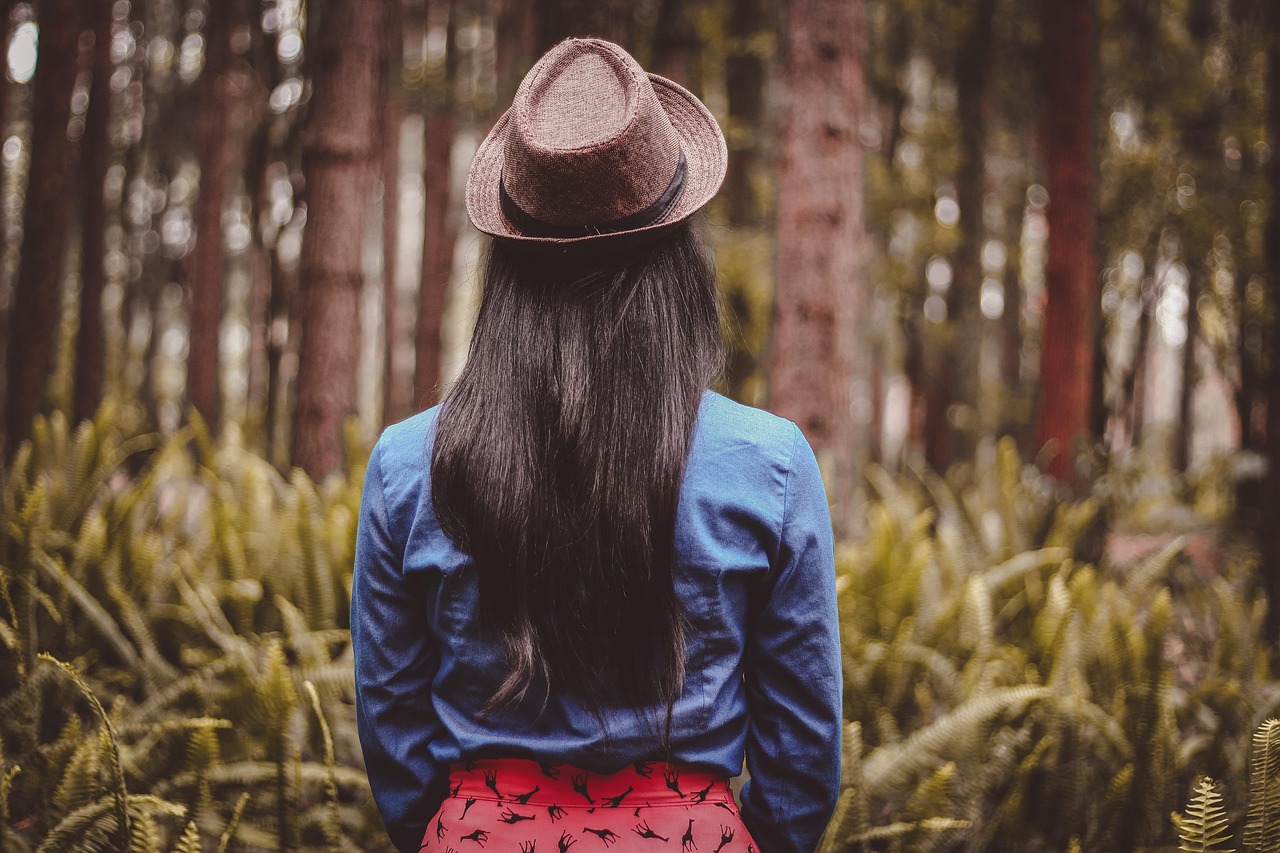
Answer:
(594, 149)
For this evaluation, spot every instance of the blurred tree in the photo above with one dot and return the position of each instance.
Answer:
(557, 20)
(397, 401)
(820, 296)
(1270, 529)
(1071, 278)
(37, 299)
(341, 146)
(205, 265)
(962, 373)
(95, 159)
(439, 230)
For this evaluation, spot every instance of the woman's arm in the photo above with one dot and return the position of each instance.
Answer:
(395, 663)
(793, 678)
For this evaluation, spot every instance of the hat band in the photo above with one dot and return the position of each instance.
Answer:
(531, 226)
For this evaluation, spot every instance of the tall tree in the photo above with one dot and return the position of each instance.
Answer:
(1071, 276)
(557, 20)
(820, 236)
(973, 65)
(1271, 489)
(95, 158)
(439, 231)
(37, 296)
(397, 402)
(342, 144)
(206, 262)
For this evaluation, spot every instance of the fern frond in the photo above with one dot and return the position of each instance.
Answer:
(1203, 826)
(893, 765)
(333, 824)
(112, 748)
(1262, 831)
(190, 840)
(230, 832)
(851, 818)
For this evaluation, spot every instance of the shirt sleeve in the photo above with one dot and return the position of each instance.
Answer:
(395, 662)
(792, 674)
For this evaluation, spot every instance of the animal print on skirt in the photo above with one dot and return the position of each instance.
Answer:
(521, 806)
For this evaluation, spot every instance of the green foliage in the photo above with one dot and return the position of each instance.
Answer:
(998, 680)
(1262, 833)
(194, 590)
(1203, 827)
(1003, 691)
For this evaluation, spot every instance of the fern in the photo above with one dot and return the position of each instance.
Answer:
(1262, 831)
(190, 840)
(333, 825)
(224, 843)
(1203, 827)
(111, 749)
(892, 765)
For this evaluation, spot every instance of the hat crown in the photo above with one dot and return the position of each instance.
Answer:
(589, 143)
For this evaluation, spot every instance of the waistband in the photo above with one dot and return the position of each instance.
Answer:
(523, 781)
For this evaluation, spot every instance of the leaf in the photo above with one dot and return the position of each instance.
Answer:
(1262, 831)
(890, 767)
(1203, 827)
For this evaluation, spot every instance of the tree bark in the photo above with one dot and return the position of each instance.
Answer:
(342, 143)
(439, 231)
(1271, 488)
(207, 261)
(37, 296)
(820, 298)
(397, 390)
(961, 379)
(560, 19)
(1071, 279)
(95, 159)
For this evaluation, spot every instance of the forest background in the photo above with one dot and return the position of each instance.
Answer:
(1012, 266)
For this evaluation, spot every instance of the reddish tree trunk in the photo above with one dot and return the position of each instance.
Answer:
(206, 262)
(1270, 532)
(343, 132)
(37, 295)
(561, 19)
(1071, 280)
(397, 390)
(514, 21)
(95, 158)
(439, 232)
(820, 301)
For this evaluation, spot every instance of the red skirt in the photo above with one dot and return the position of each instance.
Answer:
(521, 806)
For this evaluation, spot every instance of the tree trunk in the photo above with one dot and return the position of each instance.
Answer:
(560, 19)
(961, 375)
(397, 390)
(37, 297)
(674, 41)
(207, 260)
(1071, 278)
(439, 232)
(95, 158)
(342, 142)
(1271, 489)
(820, 238)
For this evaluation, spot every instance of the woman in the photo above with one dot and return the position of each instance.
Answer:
(586, 586)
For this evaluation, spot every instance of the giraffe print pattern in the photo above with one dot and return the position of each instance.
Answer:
(520, 806)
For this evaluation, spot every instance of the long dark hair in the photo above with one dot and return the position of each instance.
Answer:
(558, 459)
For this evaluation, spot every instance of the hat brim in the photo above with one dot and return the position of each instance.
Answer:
(706, 157)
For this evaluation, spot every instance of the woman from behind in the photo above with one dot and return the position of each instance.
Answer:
(586, 586)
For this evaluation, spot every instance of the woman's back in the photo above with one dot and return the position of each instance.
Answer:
(753, 571)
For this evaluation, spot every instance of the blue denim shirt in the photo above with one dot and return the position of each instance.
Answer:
(755, 572)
